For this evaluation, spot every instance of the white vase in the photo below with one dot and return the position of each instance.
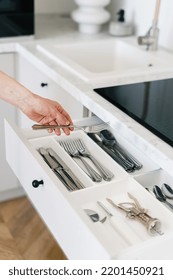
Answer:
(90, 15)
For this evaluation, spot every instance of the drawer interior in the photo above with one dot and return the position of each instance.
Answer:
(114, 240)
(125, 233)
(52, 141)
(75, 165)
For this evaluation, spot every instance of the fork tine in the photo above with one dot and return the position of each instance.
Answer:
(63, 145)
(77, 144)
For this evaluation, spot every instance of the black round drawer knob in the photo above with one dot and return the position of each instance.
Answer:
(37, 183)
(44, 84)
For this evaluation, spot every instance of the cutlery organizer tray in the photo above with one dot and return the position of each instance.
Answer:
(63, 211)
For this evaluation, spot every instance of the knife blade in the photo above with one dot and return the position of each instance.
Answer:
(57, 169)
(66, 170)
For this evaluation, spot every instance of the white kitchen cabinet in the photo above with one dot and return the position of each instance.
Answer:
(35, 80)
(63, 210)
(9, 185)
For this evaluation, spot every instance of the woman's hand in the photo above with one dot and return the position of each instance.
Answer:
(46, 111)
(38, 109)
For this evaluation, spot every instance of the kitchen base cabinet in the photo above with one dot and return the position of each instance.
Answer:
(35, 80)
(65, 211)
(9, 185)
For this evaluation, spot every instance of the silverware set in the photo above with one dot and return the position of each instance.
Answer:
(107, 141)
(162, 194)
(78, 150)
(60, 169)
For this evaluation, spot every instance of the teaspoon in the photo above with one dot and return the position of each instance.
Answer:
(109, 140)
(167, 190)
(161, 196)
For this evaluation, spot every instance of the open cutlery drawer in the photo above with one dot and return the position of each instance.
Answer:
(63, 210)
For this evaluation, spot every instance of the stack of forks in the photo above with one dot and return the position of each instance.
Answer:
(77, 150)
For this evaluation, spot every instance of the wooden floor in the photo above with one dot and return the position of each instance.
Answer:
(23, 236)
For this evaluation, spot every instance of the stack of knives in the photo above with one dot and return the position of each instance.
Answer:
(60, 169)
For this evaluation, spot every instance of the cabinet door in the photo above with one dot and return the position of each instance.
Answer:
(8, 181)
(39, 83)
(34, 80)
(69, 103)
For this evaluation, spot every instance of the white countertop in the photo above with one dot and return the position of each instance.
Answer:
(59, 29)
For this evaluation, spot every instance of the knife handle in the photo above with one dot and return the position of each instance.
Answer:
(67, 180)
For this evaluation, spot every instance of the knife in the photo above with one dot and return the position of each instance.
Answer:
(58, 170)
(66, 170)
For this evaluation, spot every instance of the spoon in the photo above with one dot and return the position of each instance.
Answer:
(97, 139)
(167, 190)
(161, 196)
(109, 140)
(94, 216)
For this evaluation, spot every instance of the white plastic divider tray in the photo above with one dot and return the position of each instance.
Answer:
(52, 142)
(111, 236)
(119, 173)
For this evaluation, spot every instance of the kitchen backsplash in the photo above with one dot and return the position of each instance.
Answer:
(54, 6)
(140, 12)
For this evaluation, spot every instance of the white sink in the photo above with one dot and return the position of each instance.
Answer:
(102, 59)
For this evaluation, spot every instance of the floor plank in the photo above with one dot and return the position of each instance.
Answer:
(23, 235)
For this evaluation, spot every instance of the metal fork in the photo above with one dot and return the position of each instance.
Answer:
(85, 128)
(70, 148)
(106, 174)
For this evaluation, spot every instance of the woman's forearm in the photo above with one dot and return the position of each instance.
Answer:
(13, 92)
(37, 108)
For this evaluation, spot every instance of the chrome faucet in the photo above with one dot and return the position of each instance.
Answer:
(150, 39)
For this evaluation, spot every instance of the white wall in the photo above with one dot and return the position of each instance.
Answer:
(54, 6)
(141, 13)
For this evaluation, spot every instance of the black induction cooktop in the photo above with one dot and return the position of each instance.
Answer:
(149, 103)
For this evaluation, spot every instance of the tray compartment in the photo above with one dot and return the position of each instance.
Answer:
(147, 163)
(157, 177)
(117, 191)
(51, 141)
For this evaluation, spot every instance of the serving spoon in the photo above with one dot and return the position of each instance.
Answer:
(167, 190)
(161, 196)
(109, 140)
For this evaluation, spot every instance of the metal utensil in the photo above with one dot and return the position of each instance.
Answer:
(94, 216)
(105, 173)
(161, 196)
(134, 211)
(121, 227)
(84, 126)
(58, 170)
(109, 140)
(66, 170)
(96, 138)
(70, 148)
(167, 190)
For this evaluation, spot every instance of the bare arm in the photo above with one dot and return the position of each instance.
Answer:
(38, 109)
